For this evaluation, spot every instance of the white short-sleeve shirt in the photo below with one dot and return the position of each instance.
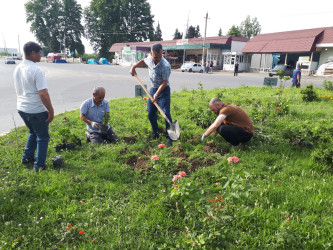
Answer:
(28, 80)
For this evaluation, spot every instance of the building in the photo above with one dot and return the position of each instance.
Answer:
(11, 51)
(223, 51)
(310, 48)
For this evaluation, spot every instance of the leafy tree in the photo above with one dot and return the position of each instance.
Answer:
(72, 28)
(44, 18)
(177, 35)
(191, 32)
(56, 23)
(158, 33)
(197, 31)
(250, 28)
(220, 32)
(108, 22)
(234, 31)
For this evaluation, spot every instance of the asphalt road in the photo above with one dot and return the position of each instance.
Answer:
(70, 84)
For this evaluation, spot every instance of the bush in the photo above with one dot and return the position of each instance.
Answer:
(309, 94)
(328, 85)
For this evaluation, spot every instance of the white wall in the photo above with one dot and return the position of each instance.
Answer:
(324, 55)
(237, 46)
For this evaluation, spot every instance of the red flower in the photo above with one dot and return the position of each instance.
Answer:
(145, 98)
(161, 146)
(175, 187)
(155, 158)
(81, 232)
(182, 173)
(233, 159)
(278, 108)
(69, 225)
(68, 228)
(176, 177)
(65, 118)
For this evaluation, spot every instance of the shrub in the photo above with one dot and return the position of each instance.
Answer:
(328, 85)
(309, 94)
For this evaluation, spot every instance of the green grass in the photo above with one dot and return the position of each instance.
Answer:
(279, 195)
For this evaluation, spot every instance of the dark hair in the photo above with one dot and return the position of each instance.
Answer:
(157, 47)
(31, 46)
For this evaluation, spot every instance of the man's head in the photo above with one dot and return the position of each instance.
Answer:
(215, 105)
(156, 52)
(299, 66)
(32, 51)
(98, 95)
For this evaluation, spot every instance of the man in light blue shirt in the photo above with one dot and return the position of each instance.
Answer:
(159, 73)
(93, 112)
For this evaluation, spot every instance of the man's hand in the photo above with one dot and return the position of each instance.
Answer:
(133, 71)
(203, 137)
(50, 117)
(95, 125)
(154, 99)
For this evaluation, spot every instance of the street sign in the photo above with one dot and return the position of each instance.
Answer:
(139, 90)
(271, 81)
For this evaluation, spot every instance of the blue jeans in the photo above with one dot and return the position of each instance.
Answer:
(163, 101)
(38, 137)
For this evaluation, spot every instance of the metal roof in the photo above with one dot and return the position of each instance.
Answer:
(289, 41)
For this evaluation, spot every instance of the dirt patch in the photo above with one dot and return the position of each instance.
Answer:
(208, 149)
(141, 164)
(209, 162)
(131, 160)
(195, 163)
(177, 151)
(129, 139)
(124, 151)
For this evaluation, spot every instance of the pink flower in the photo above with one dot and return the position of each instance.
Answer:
(176, 177)
(145, 98)
(175, 187)
(233, 159)
(182, 173)
(161, 146)
(155, 158)
(278, 108)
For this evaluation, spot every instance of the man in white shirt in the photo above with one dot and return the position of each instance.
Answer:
(33, 105)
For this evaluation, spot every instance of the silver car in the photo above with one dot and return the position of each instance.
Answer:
(192, 67)
(9, 60)
(287, 70)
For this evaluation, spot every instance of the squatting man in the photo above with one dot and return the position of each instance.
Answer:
(232, 123)
(92, 112)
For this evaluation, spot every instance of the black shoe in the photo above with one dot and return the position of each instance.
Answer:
(27, 161)
(169, 144)
(156, 136)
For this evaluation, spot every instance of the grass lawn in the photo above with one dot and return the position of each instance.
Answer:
(279, 195)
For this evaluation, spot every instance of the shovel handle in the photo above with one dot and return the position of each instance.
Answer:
(157, 106)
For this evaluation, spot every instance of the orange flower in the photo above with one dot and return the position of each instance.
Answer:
(81, 232)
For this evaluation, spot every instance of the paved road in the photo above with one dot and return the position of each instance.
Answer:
(70, 84)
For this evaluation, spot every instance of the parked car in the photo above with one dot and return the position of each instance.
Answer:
(192, 67)
(287, 70)
(51, 57)
(9, 60)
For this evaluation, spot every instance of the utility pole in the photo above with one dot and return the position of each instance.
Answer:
(18, 37)
(184, 34)
(204, 41)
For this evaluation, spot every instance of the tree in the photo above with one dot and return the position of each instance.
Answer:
(197, 32)
(177, 35)
(116, 21)
(250, 28)
(220, 32)
(191, 32)
(158, 33)
(234, 31)
(56, 24)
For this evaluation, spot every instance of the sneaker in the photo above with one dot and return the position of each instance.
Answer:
(37, 168)
(169, 144)
(87, 136)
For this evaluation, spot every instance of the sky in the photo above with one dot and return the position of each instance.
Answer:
(273, 16)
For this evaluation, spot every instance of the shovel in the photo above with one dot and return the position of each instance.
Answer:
(174, 130)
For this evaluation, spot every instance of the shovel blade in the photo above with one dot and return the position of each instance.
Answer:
(174, 131)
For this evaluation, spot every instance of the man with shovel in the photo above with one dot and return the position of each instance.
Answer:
(232, 123)
(159, 72)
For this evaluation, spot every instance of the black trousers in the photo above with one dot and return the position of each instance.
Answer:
(98, 138)
(233, 134)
